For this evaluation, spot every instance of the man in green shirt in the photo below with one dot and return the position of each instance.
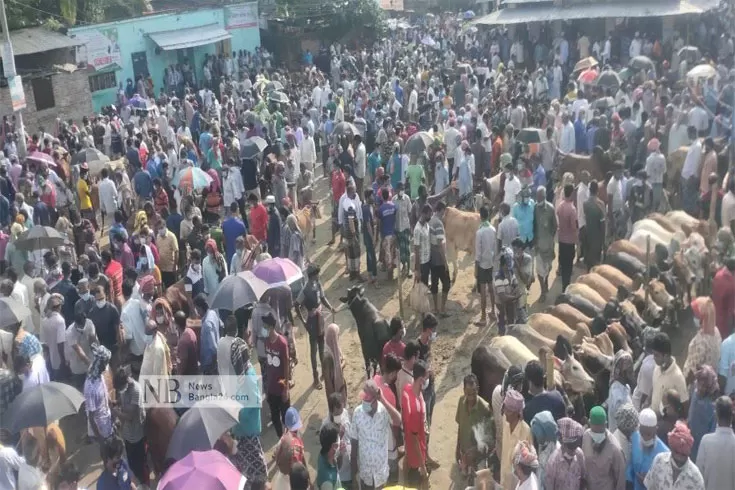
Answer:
(415, 176)
(472, 412)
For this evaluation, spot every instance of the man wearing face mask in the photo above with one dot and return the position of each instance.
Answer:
(106, 319)
(566, 468)
(370, 436)
(194, 279)
(277, 367)
(645, 446)
(80, 336)
(674, 469)
(413, 412)
(603, 457)
(86, 301)
(339, 419)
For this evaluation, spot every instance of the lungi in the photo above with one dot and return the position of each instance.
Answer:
(404, 245)
(250, 460)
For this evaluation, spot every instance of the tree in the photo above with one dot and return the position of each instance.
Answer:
(335, 20)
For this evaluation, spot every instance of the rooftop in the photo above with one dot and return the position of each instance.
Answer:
(38, 40)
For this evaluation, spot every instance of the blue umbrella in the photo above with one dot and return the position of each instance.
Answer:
(469, 15)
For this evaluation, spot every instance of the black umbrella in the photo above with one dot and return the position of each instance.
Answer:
(42, 405)
(88, 155)
(39, 238)
(608, 79)
(345, 128)
(640, 63)
(238, 290)
(418, 143)
(200, 427)
(279, 97)
(252, 146)
(531, 135)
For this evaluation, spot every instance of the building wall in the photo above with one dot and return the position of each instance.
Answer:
(72, 98)
(131, 37)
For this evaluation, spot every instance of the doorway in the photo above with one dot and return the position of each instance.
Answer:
(140, 64)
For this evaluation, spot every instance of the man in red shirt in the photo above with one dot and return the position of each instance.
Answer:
(339, 186)
(114, 271)
(258, 218)
(395, 345)
(277, 375)
(413, 413)
(496, 150)
(390, 369)
(723, 296)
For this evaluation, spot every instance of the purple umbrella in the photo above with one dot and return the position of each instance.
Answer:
(40, 157)
(209, 470)
(278, 271)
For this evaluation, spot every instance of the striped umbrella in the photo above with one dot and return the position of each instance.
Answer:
(192, 178)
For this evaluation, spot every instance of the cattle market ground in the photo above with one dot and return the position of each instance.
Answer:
(457, 337)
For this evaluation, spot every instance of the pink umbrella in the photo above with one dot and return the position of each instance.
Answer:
(209, 470)
(588, 76)
(278, 271)
(40, 157)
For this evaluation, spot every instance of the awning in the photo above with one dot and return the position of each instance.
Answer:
(189, 38)
(39, 40)
(543, 13)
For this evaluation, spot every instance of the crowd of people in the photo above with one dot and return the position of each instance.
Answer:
(220, 178)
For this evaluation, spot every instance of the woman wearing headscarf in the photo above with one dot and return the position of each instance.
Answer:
(214, 267)
(66, 253)
(545, 437)
(213, 195)
(515, 430)
(333, 364)
(296, 247)
(14, 256)
(525, 466)
(704, 348)
(157, 355)
(621, 378)
(702, 418)
(96, 398)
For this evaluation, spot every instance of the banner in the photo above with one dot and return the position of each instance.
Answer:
(183, 391)
(100, 48)
(241, 16)
(17, 95)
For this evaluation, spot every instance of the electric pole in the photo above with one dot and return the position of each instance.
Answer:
(9, 72)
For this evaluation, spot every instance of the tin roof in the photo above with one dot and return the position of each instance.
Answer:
(38, 40)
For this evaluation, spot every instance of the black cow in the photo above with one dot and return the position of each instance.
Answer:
(628, 264)
(582, 304)
(372, 328)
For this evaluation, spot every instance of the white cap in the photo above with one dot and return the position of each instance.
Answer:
(647, 418)
(270, 199)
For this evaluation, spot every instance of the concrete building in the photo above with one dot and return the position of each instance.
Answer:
(145, 46)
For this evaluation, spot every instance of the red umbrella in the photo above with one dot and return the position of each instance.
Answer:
(588, 76)
(40, 157)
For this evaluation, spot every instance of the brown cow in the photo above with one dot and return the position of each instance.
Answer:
(306, 219)
(160, 423)
(614, 275)
(460, 228)
(628, 247)
(569, 315)
(178, 298)
(602, 286)
(597, 164)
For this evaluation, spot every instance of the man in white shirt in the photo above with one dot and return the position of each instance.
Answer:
(53, 334)
(567, 140)
(108, 195)
(616, 196)
(413, 101)
(512, 185)
(233, 187)
(307, 150)
(451, 134)
(360, 163)
(690, 173)
(635, 46)
(699, 118)
(583, 194)
(656, 168)
(607, 51)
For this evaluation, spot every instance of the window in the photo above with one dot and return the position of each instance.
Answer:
(102, 81)
(43, 93)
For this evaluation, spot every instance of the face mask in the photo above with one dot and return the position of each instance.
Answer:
(433, 336)
(160, 319)
(400, 193)
(425, 384)
(677, 465)
(367, 407)
(85, 296)
(648, 443)
(567, 456)
(598, 437)
(100, 303)
(337, 419)
(162, 232)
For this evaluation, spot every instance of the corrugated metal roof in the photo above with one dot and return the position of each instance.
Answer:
(543, 13)
(188, 38)
(38, 40)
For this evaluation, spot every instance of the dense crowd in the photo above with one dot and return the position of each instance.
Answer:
(214, 176)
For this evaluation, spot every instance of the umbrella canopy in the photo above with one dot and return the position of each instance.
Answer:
(531, 135)
(604, 103)
(139, 102)
(12, 312)
(428, 41)
(464, 68)
(40, 157)
(345, 128)
(88, 155)
(469, 15)
(700, 72)
(418, 143)
(39, 238)
(640, 63)
(41, 405)
(585, 64)
(210, 470)
(626, 74)
(608, 79)
(587, 76)
(278, 271)
(278, 97)
(252, 146)
(200, 427)
(192, 178)
(690, 53)
(273, 86)
(237, 291)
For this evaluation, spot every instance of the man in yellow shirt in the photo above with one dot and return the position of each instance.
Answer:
(515, 429)
(168, 253)
(85, 195)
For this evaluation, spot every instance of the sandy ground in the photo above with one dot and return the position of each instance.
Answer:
(457, 337)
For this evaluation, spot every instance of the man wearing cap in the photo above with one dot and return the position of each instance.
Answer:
(674, 470)
(370, 435)
(645, 445)
(604, 460)
(656, 168)
(566, 468)
(515, 430)
(626, 417)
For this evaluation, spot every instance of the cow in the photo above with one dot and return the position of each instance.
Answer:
(582, 304)
(689, 224)
(552, 327)
(160, 423)
(460, 228)
(489, 364)
(628, 264)
(530, 337)
(663, 221)
(598, 164)
(599, 284)
(619, 340)
(628, 247)
(372, 328)
(616, 277)
(178, 298)
(306, 219)
(587, 293)
(569, 315)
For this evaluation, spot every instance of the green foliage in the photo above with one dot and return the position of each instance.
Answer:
(335, 20)
(56, 14)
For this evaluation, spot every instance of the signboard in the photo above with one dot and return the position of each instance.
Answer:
(8, 60)
(17, 95)
(100, 49)
(241, 16)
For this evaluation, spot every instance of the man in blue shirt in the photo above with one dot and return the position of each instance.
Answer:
(143, 185)
(523, 213)
(205, 140)
(232, 227)
(116, 474)
(645, 445)
(41, 214)
(539, 175)
(209, 335)
(132, 154)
